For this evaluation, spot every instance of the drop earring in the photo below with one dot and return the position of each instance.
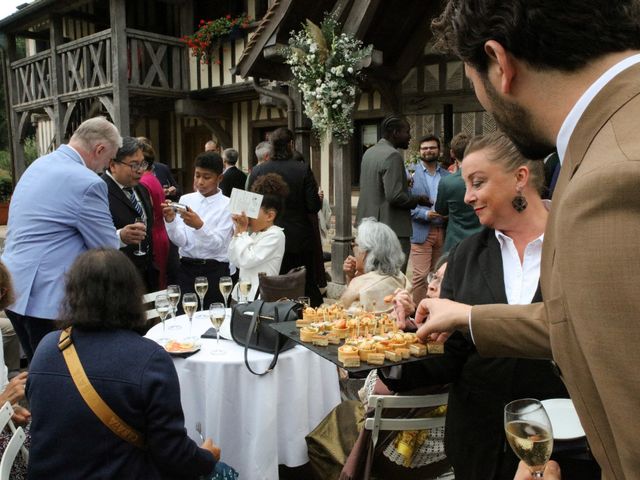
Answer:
(519, 202)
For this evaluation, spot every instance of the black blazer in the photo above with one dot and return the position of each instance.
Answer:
(480, 387)
(303, 199)
(123, 213)
(233, 178)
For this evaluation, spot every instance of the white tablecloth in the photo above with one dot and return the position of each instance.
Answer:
(259, 422)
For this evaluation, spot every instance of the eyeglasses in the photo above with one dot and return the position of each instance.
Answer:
(433, 277)
(135, 166)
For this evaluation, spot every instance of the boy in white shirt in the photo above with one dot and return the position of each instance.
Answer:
(203, 230)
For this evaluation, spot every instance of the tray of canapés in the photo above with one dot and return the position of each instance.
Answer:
(356, 341)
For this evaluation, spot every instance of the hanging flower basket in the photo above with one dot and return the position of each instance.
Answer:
(205, 41)
(326, 66)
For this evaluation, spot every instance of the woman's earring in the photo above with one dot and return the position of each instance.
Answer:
(519, 202)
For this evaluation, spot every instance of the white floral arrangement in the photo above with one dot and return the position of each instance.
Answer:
(326, 66)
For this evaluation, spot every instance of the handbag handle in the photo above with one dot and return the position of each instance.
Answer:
(252, 326)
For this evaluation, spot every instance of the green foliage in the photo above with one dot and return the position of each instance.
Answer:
(30, 150)
(6, 187)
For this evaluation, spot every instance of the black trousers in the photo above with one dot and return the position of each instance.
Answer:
(212, 269)
(30, 330)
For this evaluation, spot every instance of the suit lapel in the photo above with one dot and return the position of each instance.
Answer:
(118, 194)
(488, 258)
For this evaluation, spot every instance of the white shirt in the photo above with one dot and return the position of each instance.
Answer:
(257, 252)
(569, 124)
(520, 279)
(210, 241)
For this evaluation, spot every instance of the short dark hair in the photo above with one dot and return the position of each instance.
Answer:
(281, 140)
(130, 145)
(458, 144)
(274, 191)
(103, 291)
(547, 34)
(429, 138)
(392, 123)
(211, 161)
(230, 155)
(6, 287)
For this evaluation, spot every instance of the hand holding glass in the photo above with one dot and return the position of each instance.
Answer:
(217, 312)
(529, 433)
(139, 251)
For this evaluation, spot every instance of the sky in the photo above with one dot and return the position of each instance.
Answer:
(8, 7)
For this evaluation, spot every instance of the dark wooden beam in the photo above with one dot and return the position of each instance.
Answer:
(360, 17)
(413, 51)
(204, 109)
(118, 14)
(59, 108)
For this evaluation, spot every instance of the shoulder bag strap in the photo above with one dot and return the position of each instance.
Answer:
(91, 397)
(252, 327)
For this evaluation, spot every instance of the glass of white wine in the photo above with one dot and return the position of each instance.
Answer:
(173, 292)
(163, 307)
(245, 287)
(529, 433)
(139, 252)
(190, 305)
(225, 285)
(201, 286)
(216, 315)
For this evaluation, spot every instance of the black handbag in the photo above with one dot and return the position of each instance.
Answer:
(250, 327)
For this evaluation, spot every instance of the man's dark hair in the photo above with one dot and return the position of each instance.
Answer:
(103, 291)
(547, 34)
(274, 191)
(459, 144)
(230, 156)
(429, 138)
(211, 161)
(130, 145)
(281, 140)
(392, 123)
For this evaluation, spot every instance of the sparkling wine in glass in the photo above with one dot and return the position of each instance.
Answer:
(173, 292)
(226, 285)
(163, 307)
(529, 433)
(245, 288)
(139, 252)
(190, 305)
(201, 286)
(216, 315)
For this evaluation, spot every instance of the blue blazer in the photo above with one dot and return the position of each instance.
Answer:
(59, 209)
(419, 216)
(137, 379)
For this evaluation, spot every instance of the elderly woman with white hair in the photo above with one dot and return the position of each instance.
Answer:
(374, 269)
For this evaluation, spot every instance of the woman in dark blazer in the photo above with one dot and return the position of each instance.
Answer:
(134, 376)
(498, 178)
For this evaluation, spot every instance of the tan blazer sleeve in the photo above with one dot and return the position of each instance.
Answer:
(511, 330)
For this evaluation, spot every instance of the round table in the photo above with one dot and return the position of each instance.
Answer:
(259, 422)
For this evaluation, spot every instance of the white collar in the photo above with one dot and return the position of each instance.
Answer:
(569, 124)
(122, 187)
(78, 153)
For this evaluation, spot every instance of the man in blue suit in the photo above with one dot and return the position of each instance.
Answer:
(427, 235)
(59, 209)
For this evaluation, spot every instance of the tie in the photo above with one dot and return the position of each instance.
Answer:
(134, 201)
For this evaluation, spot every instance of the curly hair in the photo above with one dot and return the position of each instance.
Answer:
(210, 161)
(281, 139)
(274, 190)
(103, 291)
(547, 34)
(7, 294)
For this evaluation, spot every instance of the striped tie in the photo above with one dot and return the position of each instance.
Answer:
(134, 201)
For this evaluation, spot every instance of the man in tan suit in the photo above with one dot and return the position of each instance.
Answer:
(567, 74)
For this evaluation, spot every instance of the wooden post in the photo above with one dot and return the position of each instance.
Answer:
(59, 108)
(119, 67)
(17, 147)
(186, 28)
(341, 246)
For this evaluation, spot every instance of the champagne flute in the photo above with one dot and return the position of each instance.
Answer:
(225, 285)
(245, 288)
(529, 433)
(139, 251)
(216, 315)
(173, 292)
(190, 305)
(201, 286)
(163, 307)
(305, 301)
